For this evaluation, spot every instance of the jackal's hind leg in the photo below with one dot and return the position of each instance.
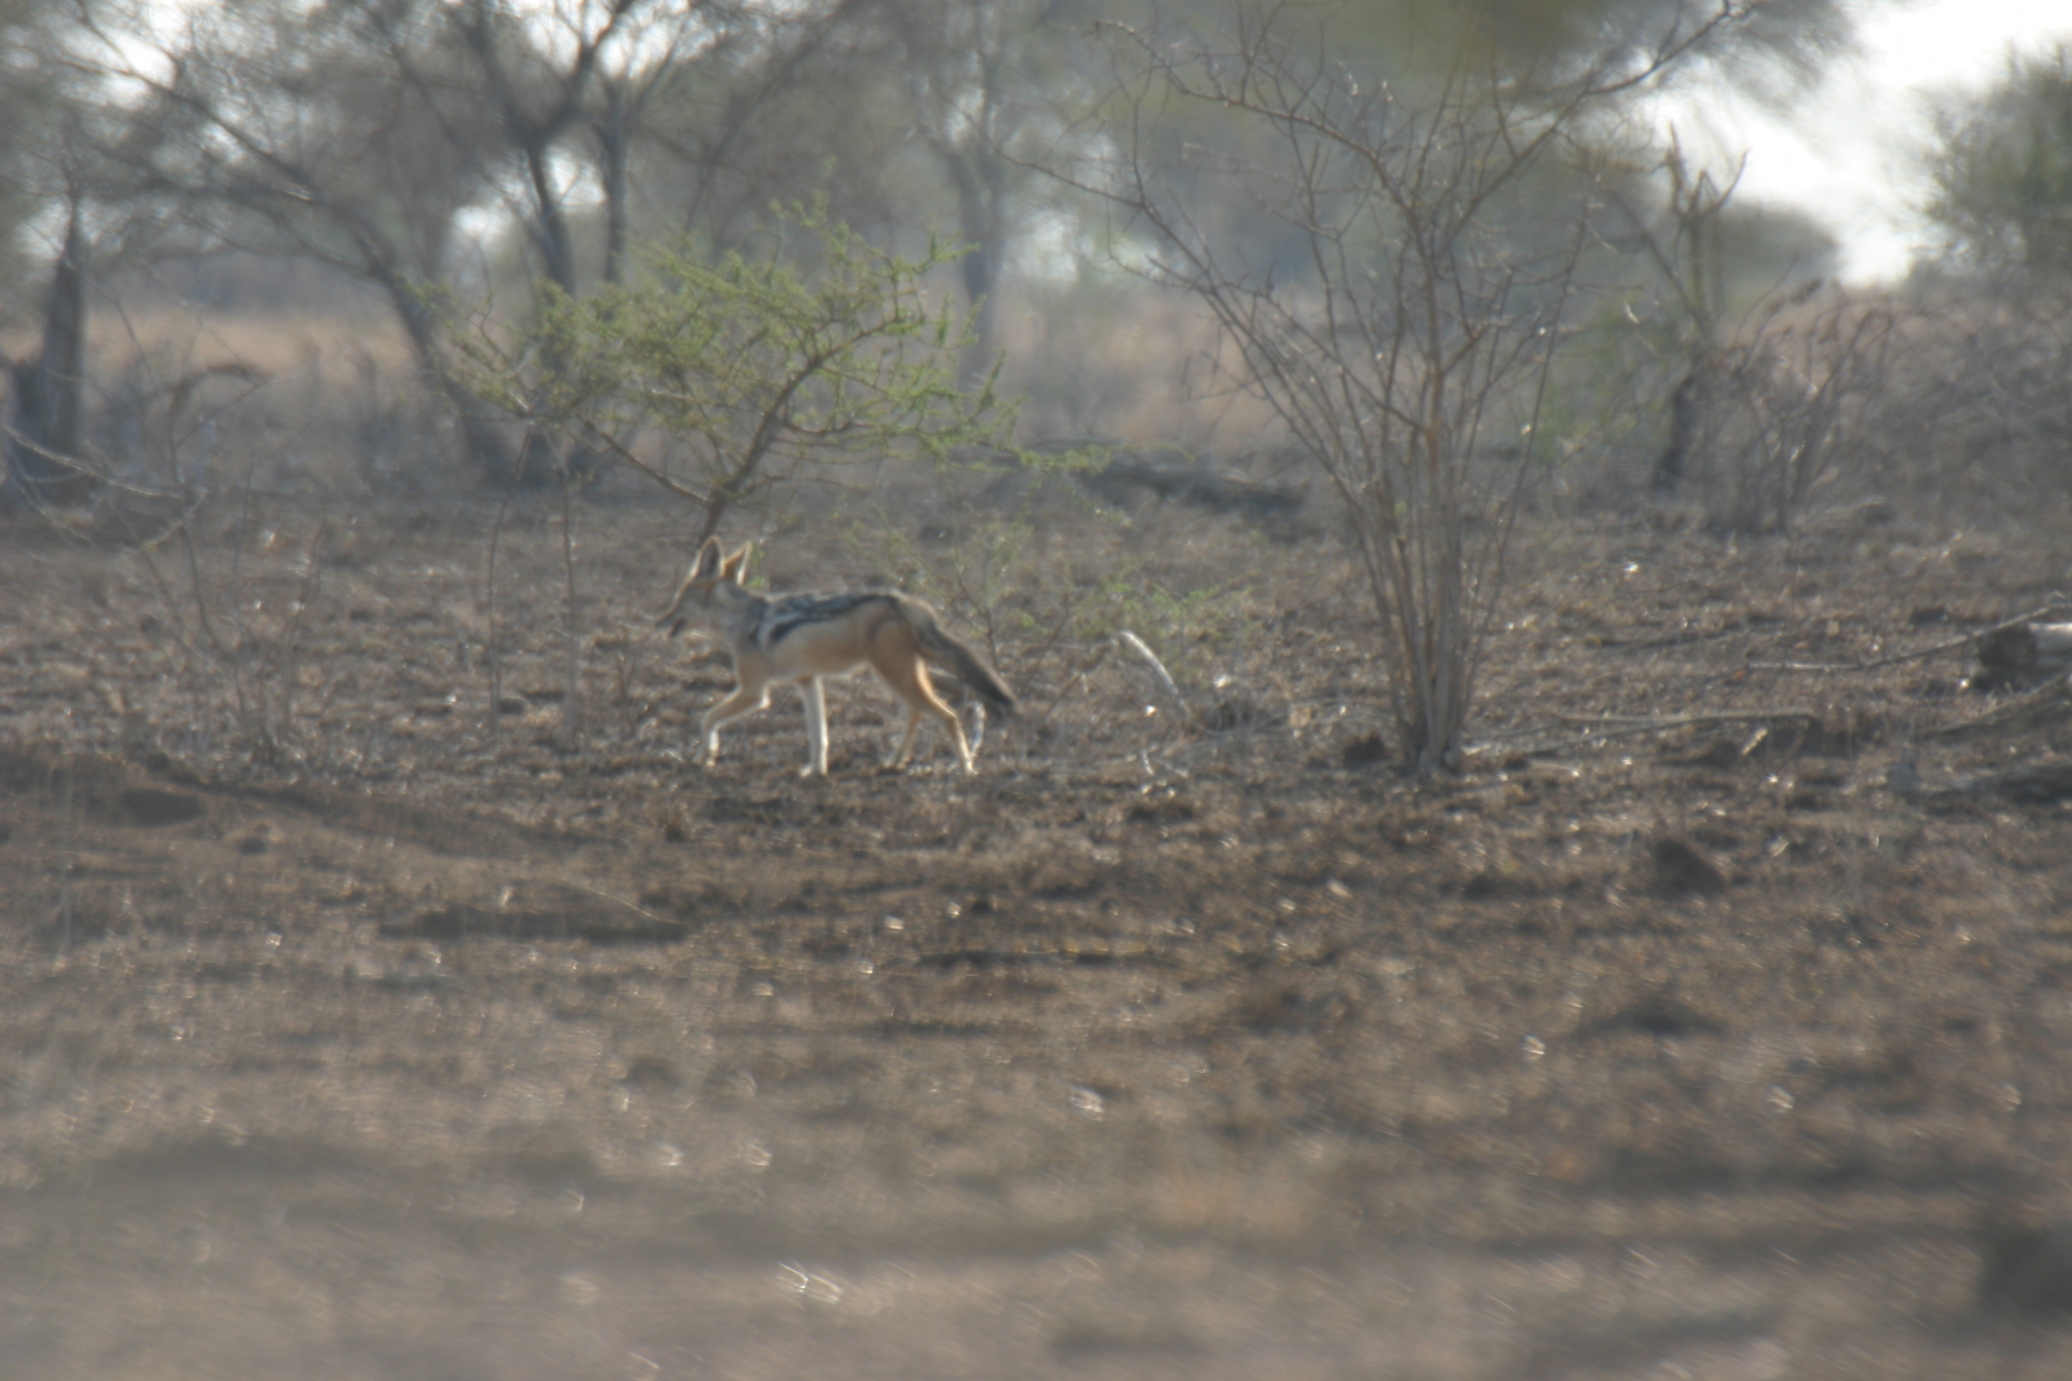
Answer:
(964, 753)
(905, 751)
(909, 680)
(815, 697)
(950, 721)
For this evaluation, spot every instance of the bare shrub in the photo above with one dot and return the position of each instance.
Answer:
(1981, 421)
(1779, 415)
(1757, 388)
(237, 608)
(1417, 333)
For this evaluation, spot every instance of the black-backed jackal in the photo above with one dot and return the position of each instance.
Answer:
(806, 638)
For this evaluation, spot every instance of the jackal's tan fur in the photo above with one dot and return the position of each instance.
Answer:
(807, 638)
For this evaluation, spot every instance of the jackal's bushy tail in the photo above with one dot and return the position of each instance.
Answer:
(968, 666)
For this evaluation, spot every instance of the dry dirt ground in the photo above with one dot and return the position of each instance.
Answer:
(342, 1037)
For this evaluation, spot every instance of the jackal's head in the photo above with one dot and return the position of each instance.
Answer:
(694, 600)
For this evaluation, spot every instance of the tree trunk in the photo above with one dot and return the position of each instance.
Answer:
(539, 460)
(979, 195)
(1686, 417)
(45, 431)
(550, 229)
(486, 446)
(613, 137)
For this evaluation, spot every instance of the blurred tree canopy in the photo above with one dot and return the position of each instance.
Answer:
(2002, 169)
(27, 103)
(66, 209)
(426, 146)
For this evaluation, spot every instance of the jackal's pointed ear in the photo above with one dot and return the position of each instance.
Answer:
(731, 568)
(710, 559)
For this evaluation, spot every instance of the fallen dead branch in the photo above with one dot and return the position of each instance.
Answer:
(1174, 475)
(2034, 784)
(2044, 706)
(2023, 656)
(2057, 606)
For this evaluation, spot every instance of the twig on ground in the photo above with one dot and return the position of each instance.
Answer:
(1625, 726)
(1680, 721)
(640, 911)
(1680, 639)
(1150, 659)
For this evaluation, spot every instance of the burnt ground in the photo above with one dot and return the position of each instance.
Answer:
(342, 1036)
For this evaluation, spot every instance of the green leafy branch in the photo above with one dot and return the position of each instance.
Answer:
(748, 367)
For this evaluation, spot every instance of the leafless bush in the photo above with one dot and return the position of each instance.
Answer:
(1413, 322)
(236, 607)
(1761, 391)
(1982, 419)
(242, 621)
(1778, 417)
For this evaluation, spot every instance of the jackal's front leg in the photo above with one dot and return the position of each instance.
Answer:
(745, 700)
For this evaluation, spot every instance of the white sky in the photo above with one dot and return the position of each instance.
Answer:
(1847, 154)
